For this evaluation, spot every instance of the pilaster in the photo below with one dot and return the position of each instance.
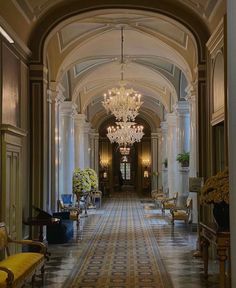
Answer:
(55, 98)
(66, 146)
(79, 140)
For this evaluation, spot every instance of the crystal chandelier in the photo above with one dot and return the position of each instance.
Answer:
(124, 150)
(122, 102)
(125, 133)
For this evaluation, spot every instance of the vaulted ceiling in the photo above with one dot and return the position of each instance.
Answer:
(83, 51)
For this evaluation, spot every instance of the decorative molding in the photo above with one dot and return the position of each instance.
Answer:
(216, 40)
(68, 108)
(181, 108)
(218, 116)
(19, 44)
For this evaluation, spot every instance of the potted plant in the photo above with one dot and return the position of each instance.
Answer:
(216, 191)
(165, 162)
(183, 159)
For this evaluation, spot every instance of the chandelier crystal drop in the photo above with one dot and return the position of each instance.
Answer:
(125, 133)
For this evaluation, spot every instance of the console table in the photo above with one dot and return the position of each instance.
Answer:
(210, 234)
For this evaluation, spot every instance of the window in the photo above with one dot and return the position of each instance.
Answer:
(125, 170)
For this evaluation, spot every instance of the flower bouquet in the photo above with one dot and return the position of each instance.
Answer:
(81, 181)
(216, 192)
(93, 178)
(216, 188)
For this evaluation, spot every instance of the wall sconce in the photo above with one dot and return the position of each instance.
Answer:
(104, 163)
(146, 162)
(145, 173)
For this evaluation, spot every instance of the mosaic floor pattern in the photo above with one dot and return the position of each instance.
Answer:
(124, 244)
(122, 253)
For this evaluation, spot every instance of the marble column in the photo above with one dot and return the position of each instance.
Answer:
(171, 153)
(183, 139)
(87, 151)
(159, 159)
(191, 91)
(55, 92)
(154, 151)
(66, 144)
(231, 66)
(94, 138)
(79, 121)
(163, 155)
(191, 98)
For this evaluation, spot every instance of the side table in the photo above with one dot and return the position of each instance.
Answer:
(210, 234)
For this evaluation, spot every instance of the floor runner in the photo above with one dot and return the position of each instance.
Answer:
(122, 252)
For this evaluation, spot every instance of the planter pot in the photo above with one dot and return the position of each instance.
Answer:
(185, 164)
(221, 215)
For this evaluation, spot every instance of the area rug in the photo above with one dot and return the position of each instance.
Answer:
(122, 252)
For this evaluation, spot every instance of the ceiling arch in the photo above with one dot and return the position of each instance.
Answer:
(155, 57)
(158, 50)
(62, 11)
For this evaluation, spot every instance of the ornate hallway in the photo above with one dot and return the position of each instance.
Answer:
(127, 243)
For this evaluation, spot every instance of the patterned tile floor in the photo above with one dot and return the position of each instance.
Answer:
(173, 245)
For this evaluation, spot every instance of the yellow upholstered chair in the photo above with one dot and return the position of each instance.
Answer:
(184, 213)
(169, 203)
(19, 268)
(158, 196)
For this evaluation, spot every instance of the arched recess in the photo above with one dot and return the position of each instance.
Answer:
(38, 73)
(139, 154)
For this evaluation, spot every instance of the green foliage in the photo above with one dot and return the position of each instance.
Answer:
(183, 158)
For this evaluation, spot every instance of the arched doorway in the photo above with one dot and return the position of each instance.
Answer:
(135, 167)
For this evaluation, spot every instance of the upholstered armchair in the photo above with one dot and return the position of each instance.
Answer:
(183, 213)
(96, 197)
(158, 196)
(169, 203)
(66, 205)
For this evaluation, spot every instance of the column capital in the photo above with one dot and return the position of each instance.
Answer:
(87, 127)
(181, 108)
(56, 92)
(191, 91)
(94, 134)
(68, 108)
(171, 119)
(156, 135)
(79, 118)
(164, 126)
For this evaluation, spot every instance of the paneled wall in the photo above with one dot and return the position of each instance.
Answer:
(217, 98)
(14, 149)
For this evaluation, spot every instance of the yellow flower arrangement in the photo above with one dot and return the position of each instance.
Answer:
(216, 188)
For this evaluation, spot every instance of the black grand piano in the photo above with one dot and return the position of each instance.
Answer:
(59, 226)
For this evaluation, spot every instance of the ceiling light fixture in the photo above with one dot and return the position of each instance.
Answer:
(6, 35)
(125, 133)
(122, 102)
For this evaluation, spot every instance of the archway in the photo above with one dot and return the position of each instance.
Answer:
(82, 94)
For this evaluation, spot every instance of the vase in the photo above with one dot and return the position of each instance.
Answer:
(221, 215)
